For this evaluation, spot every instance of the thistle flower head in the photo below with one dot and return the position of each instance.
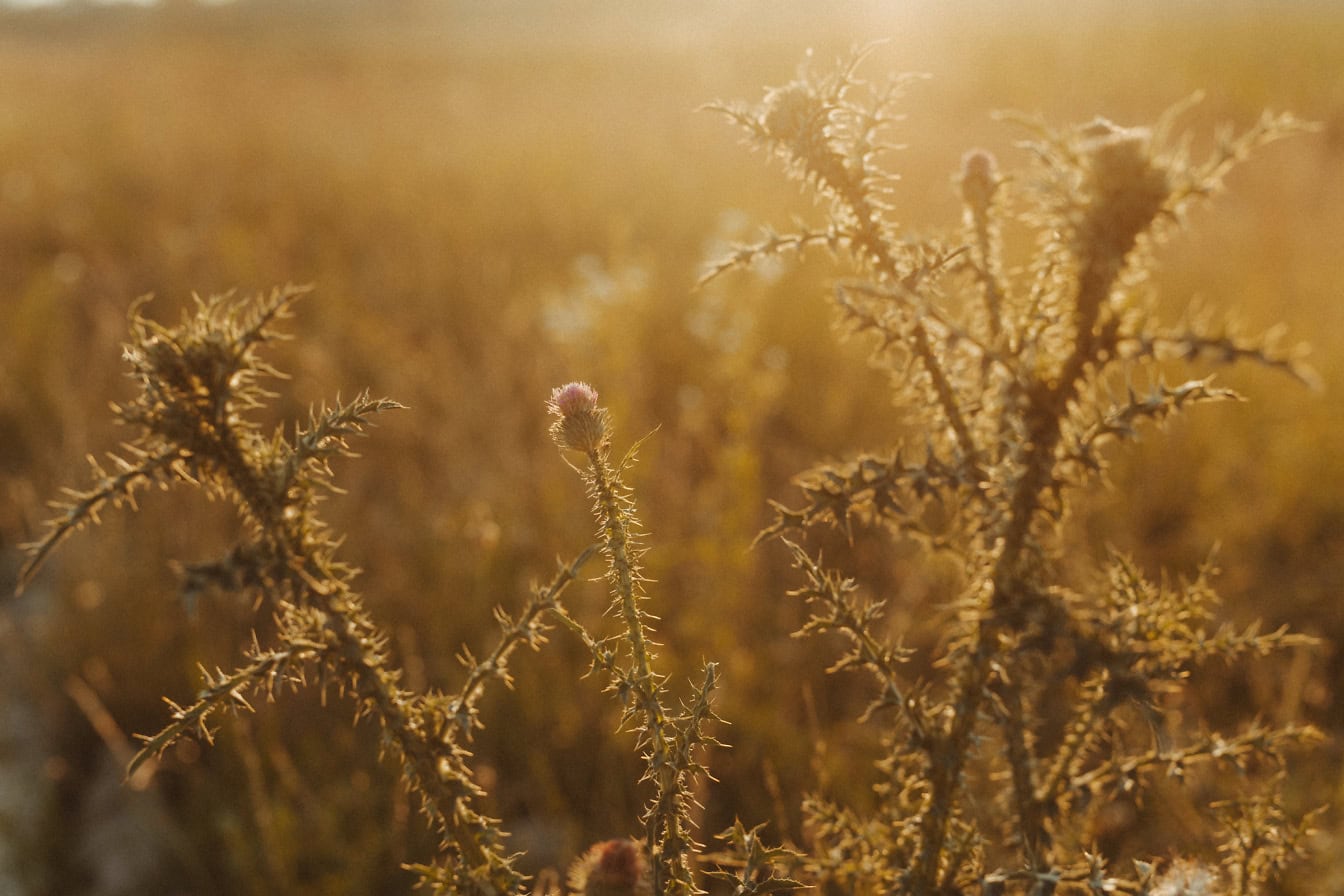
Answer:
(573, 398)
(612, 868)
(580, 424)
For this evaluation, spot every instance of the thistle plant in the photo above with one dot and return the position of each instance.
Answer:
(198, 383)
(1046, 698)
(1049, 695)
(671, 742)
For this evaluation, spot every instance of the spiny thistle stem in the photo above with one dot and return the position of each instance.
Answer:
(796, 123)
(1123, 193)
(1115, 213)
(614, 512)
(305, 572)
(1022, 764)
(980, 184)
(874, 243)
(582, 426)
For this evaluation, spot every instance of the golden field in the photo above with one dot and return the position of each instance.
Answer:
(490, 201)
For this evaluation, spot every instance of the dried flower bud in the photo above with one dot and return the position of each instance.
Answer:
(612, 868)
(798, 117)
(581, 424)
(1124, 190)
(979, 180)
(793, 113)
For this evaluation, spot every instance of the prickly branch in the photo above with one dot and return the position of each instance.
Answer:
(197, 383)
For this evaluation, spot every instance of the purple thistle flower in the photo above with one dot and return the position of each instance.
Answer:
(582, 425)
(573, 398)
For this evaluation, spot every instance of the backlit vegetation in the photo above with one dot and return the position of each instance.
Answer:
(509, 208)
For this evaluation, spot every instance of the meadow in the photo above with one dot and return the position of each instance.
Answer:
(489, 202)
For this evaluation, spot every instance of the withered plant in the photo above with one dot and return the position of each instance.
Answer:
(1046, 699)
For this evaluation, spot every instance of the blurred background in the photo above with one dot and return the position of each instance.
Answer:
(491, 200)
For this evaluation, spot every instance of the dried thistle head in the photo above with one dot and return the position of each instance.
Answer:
(796, 114)
(828, 128)
(580, 424)
(980, 181)
(612, 868)
(1124, 190)
(199, 377)
(797, 120)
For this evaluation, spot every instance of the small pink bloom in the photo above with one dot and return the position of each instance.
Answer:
(573, 398)
(581, 424)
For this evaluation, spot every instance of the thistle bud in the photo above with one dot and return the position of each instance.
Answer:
(612, 868)
(794, 113)
(979, 181)
(581, 424)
